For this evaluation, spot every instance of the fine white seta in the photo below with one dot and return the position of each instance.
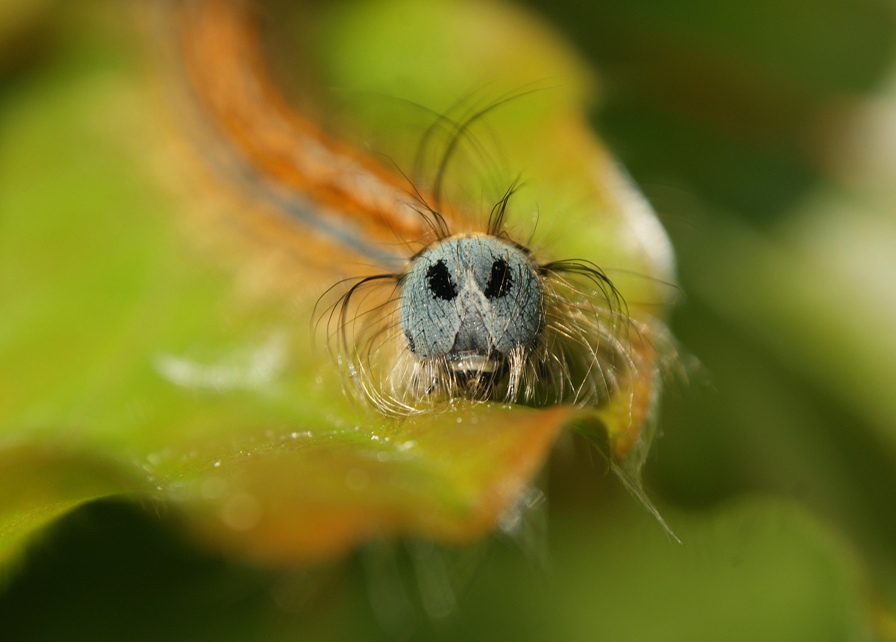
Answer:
(478, 316)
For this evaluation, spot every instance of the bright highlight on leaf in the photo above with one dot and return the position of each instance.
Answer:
(172, 358)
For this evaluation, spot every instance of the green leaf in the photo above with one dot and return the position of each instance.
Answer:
(145, 354)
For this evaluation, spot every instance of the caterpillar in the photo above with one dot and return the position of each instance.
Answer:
(444, 308)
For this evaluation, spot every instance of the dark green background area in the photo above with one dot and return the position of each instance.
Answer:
(724, 99)
(780, 490)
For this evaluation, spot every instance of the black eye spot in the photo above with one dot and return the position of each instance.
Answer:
(499, 281)
(439, 281)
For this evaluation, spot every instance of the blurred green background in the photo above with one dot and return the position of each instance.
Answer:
(759, 131)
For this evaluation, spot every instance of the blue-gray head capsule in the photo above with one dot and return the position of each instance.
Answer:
(470, 301)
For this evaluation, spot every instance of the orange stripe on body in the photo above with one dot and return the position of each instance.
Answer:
(347, 191)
